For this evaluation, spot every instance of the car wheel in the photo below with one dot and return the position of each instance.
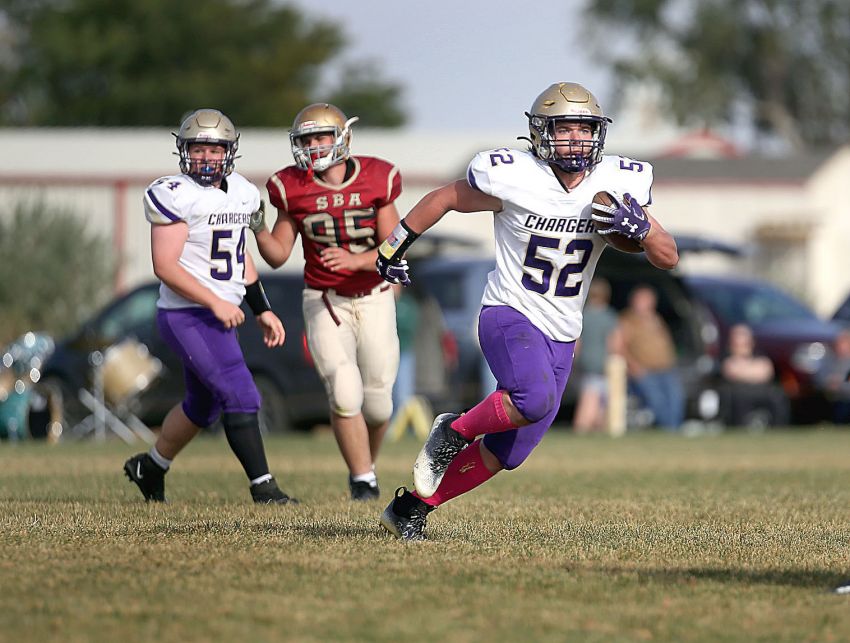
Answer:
(274, 417)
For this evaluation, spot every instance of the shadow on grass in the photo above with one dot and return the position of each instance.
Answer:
(336, 530)
(804, 578)
(255, 525)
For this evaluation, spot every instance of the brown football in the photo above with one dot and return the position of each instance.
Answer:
(618, 241)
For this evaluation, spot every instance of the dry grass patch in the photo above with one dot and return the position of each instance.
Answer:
(652, 537)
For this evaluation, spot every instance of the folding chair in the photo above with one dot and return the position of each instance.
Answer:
(120, 375)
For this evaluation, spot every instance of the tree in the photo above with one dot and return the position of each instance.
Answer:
(130, 63)
(52, 272)
(784, 65)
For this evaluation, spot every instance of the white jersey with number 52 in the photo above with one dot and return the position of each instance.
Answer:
(215, 250)
(546, 246)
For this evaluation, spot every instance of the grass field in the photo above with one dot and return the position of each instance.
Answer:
(650, 537)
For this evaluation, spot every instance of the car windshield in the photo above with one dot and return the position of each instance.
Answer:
(843, 312)
(751, 304)
(127, 316)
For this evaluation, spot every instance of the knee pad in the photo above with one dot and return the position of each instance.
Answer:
(240, 421)
(200, 415)
(377, 406)
(346, 395)
(246, 400)
(236, 391)
(200, 405)
(512, 448)
(514, 459)
(536, 404)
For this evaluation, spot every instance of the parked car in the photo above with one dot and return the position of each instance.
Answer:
(292, 393)
(785, 330)
(842, 314)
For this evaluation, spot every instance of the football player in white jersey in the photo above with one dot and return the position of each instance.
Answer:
(199, 221)
(546, 252)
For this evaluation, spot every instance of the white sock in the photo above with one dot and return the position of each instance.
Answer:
(369, 477)
(161, 461)
(261, 479)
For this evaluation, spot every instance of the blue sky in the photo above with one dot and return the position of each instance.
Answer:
(467, 61)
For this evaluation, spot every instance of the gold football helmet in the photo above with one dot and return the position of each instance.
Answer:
(212, 127)
(321, 118)
(571, 102)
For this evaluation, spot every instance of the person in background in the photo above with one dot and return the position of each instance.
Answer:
(199, 220)
(341, 205)
(833, 377)
(651, 358)
(600, 338)
(749, 396)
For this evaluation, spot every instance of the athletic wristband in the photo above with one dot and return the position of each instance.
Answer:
(395, 245)
(256, 298)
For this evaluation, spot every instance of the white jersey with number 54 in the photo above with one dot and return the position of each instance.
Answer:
(214, 253)
(546, 246)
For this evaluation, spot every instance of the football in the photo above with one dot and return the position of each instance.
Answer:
(618, 241)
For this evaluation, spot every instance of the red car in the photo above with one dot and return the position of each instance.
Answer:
(785, 330)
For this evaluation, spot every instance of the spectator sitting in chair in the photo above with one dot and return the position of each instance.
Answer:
(749, 396)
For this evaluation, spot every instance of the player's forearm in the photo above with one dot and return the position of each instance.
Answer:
(430, 209)
(366, 260)
(184, 284)
(251, 274)
(660, 247)
(271, 250)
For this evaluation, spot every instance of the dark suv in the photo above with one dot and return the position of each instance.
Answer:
(293, 395)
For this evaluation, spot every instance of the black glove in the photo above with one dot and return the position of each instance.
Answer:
(391, 264)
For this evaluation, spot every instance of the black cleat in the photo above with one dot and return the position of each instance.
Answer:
(148, 476)
(441, 447)
(405, 516)
(268, 493)
(363, 491)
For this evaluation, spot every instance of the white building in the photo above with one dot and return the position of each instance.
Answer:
(785, 210)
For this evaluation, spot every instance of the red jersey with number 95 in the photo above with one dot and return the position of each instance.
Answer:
(342, 215)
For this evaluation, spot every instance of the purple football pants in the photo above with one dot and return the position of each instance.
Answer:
(533, 369)
(217, 379)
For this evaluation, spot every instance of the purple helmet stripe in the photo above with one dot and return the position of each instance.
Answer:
(165, 211)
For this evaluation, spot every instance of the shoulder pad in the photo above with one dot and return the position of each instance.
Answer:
(497, 172)
(490, 170)
(164, 199)
(627, 175)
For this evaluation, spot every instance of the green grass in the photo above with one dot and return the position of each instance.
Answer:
(650, 537)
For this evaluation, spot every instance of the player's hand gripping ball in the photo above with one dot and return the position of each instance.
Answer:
(620, 220)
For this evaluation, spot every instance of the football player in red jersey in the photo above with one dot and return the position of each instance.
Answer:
(341, 205)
